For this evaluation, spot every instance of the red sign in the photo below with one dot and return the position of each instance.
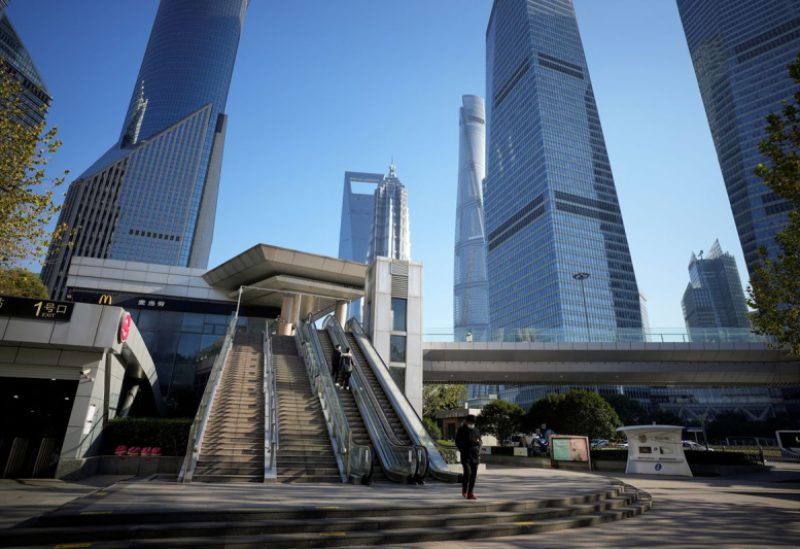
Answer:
(124, 327)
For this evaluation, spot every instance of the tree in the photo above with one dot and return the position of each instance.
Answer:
(576, 412)
(22, 283)
(630, 411)
(442, 397)
(26, 196)
(774, 290)
(501, 419)
(433, 428)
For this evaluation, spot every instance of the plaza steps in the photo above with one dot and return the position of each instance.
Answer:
(377, 389)
(304, 446)
(329, 527)
(354, 420)
(233, 443)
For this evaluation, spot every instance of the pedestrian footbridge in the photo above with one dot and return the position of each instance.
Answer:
(695, 364)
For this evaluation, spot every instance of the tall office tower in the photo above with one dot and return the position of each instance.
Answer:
(470, 300)
(358, 208)
(551, 208)
(391, 235)
(16, 59)
(740, 52)
(645, 316)
(152, 196)
(714, 298)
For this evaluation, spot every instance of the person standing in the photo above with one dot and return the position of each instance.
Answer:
(468, 442)
(347, 368)
(336, 363)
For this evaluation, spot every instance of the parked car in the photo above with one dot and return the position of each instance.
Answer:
(692, 445)
(598, 443)
(622, 445)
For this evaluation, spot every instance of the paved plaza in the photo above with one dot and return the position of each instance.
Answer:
(756, 510)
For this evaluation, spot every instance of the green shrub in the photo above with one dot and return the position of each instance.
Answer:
(171, 435)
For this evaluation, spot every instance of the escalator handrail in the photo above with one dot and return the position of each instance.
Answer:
(437, 464)
(270, 393)
(383, 436)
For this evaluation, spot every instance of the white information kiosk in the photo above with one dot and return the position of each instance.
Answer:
(655, 450)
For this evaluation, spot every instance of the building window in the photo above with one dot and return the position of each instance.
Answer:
(397, 348)
(399, 307)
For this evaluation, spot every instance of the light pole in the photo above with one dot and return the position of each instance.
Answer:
(580, 277)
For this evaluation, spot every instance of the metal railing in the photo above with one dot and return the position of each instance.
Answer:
(401, 462)
(270, 390)
(598, 335)
(354, 460)
(438, 457)
(200, 422)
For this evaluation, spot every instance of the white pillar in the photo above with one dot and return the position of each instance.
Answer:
(341, 312)
(288, 315)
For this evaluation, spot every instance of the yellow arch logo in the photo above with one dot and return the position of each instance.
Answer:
(105, 299)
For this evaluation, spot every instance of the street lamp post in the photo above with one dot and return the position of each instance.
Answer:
(580, 277)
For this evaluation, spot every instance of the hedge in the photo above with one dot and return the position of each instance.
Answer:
(170, 434)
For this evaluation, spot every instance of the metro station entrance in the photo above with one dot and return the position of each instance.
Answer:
(33, 421)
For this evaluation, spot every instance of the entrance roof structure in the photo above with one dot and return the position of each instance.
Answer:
(268, 273)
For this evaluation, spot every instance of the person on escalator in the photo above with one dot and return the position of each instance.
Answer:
(468, 442)
(347, 368)
(336, 363)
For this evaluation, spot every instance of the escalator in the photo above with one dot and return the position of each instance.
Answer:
(403, 419)
(357, 426)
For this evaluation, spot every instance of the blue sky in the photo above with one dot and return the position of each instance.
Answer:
(322, 87)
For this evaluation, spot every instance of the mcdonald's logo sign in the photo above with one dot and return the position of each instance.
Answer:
(105, 299)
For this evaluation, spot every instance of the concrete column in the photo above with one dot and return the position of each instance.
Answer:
(129, 398)
(285, 324)
(341, 312)
(307, 306)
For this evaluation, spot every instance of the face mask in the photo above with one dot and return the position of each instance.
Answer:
(471, 425)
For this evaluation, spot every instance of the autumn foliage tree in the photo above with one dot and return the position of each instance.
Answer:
(775, 284)
(27, 204)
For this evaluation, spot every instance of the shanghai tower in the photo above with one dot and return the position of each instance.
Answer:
(152, 196)
(558, 260)
(470, 306)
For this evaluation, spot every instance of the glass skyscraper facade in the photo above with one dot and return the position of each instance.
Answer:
(741, 51)
(470, 299)
(358, 209)
(391, 234)
(550, 203)
(714, 297)
(152, 196)
(17, 61)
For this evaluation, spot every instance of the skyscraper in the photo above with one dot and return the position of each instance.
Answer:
(550, 203)
(470, 301)
(152, 196)
(714, 298)
(740, 51)
(358, 208)
(16, 59)
(391, 235)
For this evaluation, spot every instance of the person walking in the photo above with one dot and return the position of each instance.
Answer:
(468, 442)
(347, 368)
(336, 363)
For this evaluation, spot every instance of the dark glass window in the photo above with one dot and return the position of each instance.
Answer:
(399, 307)
(397, 348)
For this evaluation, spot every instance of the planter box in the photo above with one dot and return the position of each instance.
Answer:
(140, 466)
(540, 462)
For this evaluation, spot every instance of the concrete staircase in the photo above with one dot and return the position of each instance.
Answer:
(354, 420)
(335, 526)
(233, 444)
(304, 447)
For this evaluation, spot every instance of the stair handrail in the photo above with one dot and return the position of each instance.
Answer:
(437, 455)
(401, 461)
(198, 428)
(270, 390)
(354, 460)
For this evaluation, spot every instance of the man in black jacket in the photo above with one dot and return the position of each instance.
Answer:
(468, 442)
(336, 363)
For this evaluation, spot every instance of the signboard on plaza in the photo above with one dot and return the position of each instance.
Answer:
(35, 309)
(568, 449)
